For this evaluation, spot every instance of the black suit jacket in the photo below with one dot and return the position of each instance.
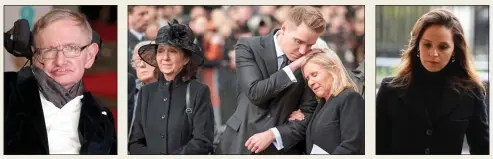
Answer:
(403, 125)
(266, 98)
(25, 130)
(338, 125)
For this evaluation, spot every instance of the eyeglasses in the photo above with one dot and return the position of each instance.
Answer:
(69, 51)
(134, 62)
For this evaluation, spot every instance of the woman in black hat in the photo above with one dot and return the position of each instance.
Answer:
(174, 115)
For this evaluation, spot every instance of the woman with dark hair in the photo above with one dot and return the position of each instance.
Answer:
(436, 98)
(174, 114)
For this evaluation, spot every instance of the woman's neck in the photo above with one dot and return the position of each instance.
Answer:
(170, 77)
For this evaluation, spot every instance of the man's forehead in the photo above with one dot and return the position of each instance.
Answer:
(62, 32)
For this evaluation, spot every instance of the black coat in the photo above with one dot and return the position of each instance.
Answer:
(25, 130)
(338, 125)
(266, 98)
(161, 124)
(403, 125)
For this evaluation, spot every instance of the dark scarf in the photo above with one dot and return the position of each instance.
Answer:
(53, 91)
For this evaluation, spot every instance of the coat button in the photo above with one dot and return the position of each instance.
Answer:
(427, 151)
(162, 153)
(429, 132)
(268, 116)
(165, 99)
(162, 135)
(163, 116)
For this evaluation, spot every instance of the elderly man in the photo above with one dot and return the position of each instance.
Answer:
(145, 74)
(47, 110)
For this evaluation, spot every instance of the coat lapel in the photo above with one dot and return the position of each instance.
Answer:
(269, 51)
(414, 104)
(451, 100)
(31, 103)
(89, 124)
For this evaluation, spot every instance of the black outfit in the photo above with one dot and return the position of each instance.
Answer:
(161, 123)
(338, 125)
(131, 100)
(266, 98)
(429, 117)
(358, 77)
(25, 130)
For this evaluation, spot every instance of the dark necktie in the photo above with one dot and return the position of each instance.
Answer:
(285, 61)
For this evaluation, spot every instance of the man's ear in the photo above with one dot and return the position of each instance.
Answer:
(92, 51)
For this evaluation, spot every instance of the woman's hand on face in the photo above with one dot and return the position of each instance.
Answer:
(296, 115)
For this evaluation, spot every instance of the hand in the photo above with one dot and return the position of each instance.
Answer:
(297, 115)
(297, 63)
(300, 61)
(316, 50)
(260, 141)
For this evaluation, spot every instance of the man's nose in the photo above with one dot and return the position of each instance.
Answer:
(60, 58)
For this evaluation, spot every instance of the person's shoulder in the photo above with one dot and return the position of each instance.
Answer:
(198, 85)
(349, 93)
(150, 87)
(249, 40)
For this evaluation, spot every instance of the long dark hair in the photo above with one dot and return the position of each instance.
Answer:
(464, 76)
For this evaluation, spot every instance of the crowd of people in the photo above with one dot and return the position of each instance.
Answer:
(245, 80)
(218, 28)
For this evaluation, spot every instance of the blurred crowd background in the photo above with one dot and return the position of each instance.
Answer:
(218, 28)
(393, 27)
(101, 79)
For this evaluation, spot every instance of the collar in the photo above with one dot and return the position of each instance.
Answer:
(137, 34)
(138, 84)
(279, 51)
(173, 83)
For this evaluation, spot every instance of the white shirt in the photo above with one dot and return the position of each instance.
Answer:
(278, 142)
(62, 125)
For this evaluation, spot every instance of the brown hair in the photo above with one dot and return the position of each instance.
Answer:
(464, 75)
(60, 14)
(311, 16)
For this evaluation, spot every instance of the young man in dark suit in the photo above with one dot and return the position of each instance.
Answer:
(271, 87)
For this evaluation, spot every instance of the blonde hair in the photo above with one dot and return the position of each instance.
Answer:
(311, 16)
(61, 14)
(329, 60)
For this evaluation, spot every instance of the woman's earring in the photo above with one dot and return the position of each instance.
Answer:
(418, 53)
(453, 58)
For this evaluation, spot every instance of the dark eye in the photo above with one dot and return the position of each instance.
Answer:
(314, 74)
(427, 45)
(297, 41)
(443, 47)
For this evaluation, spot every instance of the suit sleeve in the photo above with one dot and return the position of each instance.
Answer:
(137, 141)
(382, 123)
(352, 125)
(294, 131)
(256, 88)
(478, 131)
(203, 126)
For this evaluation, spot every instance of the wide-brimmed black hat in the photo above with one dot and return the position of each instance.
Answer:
(177, 35)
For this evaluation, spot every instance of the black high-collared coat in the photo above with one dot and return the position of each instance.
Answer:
(404, 125)
(161, 124)
(25, 130)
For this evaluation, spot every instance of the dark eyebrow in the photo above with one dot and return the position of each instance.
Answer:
(443, 42)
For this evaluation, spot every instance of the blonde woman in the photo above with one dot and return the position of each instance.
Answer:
(337, 125)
